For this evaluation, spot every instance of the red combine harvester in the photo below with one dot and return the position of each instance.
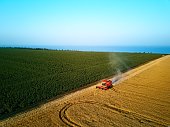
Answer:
(106, 84)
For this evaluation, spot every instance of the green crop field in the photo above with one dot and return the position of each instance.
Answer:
(29, 77)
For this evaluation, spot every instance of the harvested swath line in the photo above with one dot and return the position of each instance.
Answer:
(126, 113)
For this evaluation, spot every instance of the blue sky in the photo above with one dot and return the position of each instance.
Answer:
(85, 22)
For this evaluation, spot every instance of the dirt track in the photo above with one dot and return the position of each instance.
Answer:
(141, 98)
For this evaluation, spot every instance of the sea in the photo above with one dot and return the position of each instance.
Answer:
(132, 49)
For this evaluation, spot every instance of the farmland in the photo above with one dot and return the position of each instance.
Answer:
(29, 77)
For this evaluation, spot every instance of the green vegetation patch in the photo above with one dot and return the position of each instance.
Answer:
(28, 77)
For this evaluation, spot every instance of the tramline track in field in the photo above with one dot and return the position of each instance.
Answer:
(63, 115)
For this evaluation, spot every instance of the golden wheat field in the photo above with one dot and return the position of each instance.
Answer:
(140, 99)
